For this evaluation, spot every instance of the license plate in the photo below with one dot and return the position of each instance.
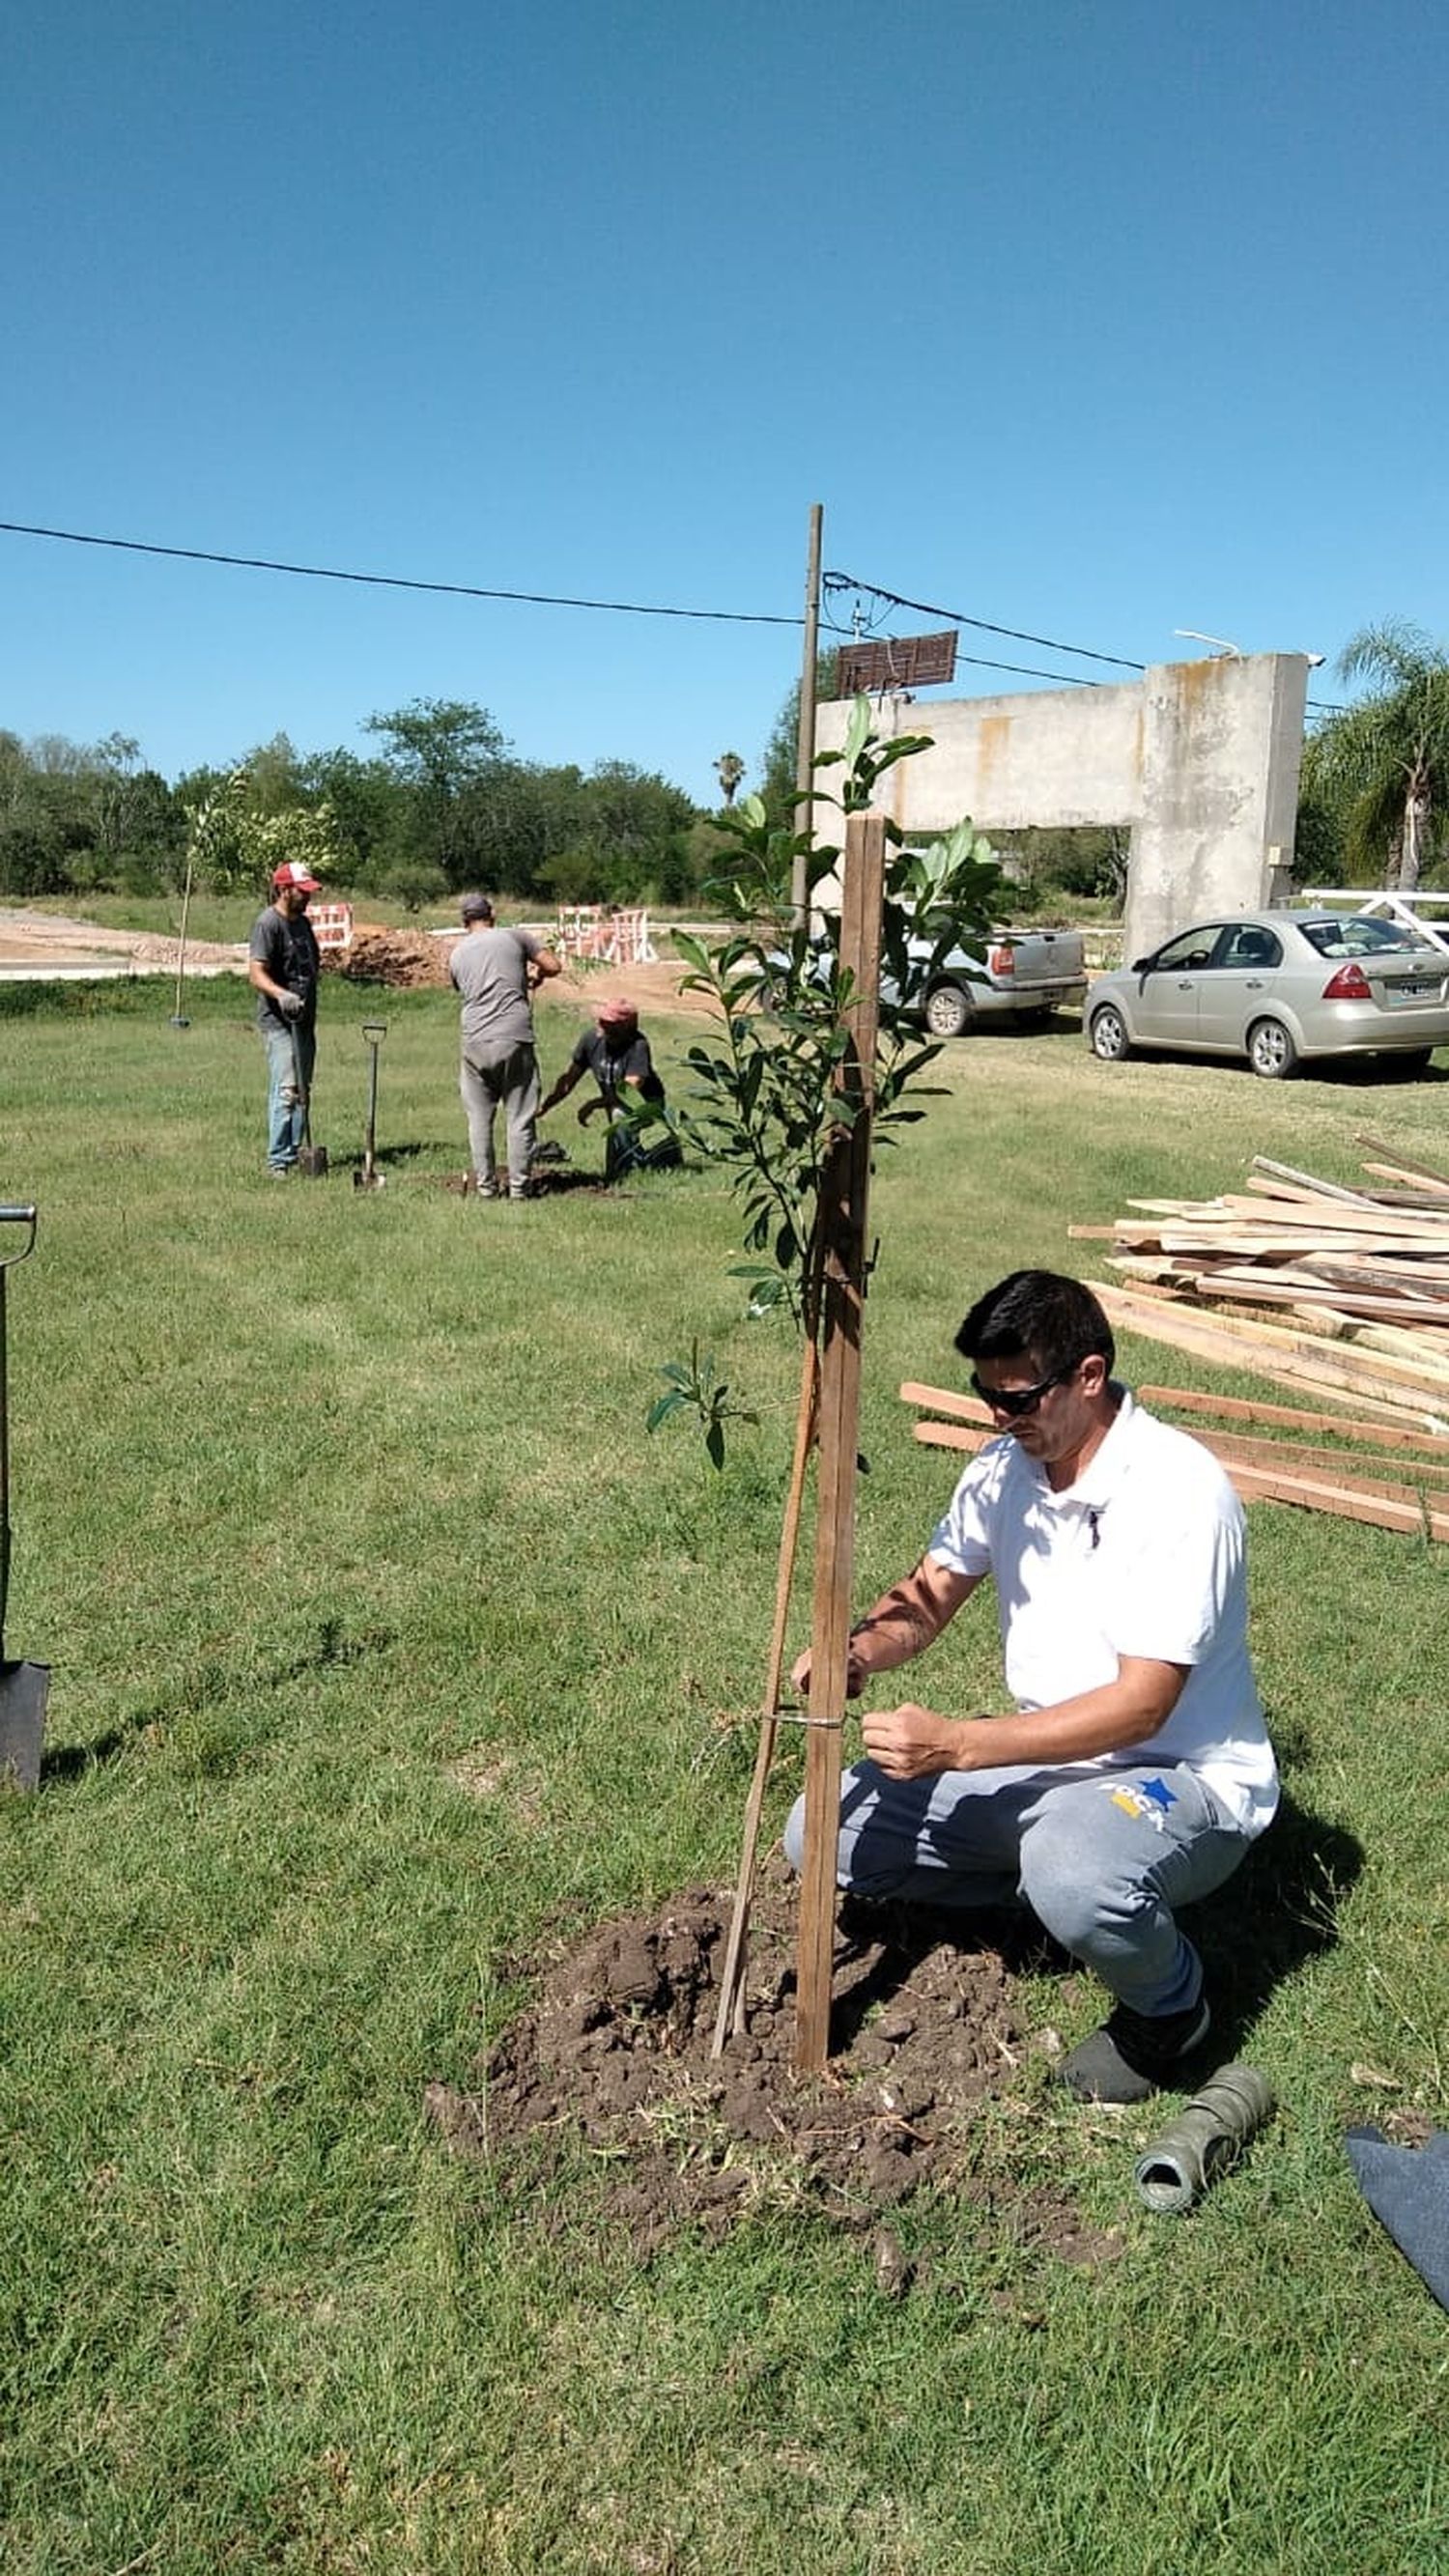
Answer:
(1398, 996)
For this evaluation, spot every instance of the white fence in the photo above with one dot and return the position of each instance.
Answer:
(597, 934)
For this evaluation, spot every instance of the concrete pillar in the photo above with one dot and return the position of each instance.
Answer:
(1218, 793)
(1200, 758)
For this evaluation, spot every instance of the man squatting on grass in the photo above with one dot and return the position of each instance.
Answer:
(1137, 1768)
(497, 972)
(282, 968)
(617, 1053)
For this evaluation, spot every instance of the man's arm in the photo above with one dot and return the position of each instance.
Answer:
(261, 981)
(904, 1622)
(541, 965)
(560, 1090)
(912, 1742)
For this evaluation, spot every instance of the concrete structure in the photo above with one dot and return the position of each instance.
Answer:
(1200, 758)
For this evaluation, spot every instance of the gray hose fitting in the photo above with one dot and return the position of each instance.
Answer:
(1207, 2136)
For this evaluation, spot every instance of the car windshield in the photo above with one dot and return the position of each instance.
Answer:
(1360, 934)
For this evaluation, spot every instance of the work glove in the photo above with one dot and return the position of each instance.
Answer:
(291, 1006)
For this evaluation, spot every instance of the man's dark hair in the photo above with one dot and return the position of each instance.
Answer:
(475, 907)
(1054, 1320)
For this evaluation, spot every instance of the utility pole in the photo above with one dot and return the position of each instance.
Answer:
(805, 735)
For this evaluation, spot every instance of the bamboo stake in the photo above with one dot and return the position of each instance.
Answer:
(732, 1974)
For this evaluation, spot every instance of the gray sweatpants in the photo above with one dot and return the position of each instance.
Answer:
(509, 1083)
(1102, 1859)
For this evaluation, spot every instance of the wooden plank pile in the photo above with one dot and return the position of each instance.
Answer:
(1336, 1296)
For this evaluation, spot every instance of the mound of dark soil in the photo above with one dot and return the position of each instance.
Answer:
(926, 2035)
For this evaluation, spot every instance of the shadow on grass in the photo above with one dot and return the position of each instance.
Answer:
(210, 1689)
(1280, 1909)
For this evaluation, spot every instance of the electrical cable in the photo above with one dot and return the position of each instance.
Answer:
(983, 625)
(613, 607)
(395, 581)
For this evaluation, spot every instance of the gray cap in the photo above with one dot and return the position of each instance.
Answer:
(475, 907)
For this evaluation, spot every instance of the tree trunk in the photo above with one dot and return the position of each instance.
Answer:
(1394, 863)
(1417, 815)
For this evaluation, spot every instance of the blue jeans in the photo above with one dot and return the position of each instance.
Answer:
(284, 1100)
(1101, 1857)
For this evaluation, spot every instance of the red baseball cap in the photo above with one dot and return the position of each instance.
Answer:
(292, 873)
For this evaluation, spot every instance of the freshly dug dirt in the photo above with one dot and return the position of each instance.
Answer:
(616, 2051)
(401, 959)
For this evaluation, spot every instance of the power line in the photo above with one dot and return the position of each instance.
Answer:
(983, 626)
(394, 581)
(610, 607)
(1027, 670)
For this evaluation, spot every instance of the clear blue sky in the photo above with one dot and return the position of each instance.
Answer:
(1092, 317)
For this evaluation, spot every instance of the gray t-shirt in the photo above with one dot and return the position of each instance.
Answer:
(287, 950)
(490, 970)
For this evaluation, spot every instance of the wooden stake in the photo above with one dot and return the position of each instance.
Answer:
(843, 1219)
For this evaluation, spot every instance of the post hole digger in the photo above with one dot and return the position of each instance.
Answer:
(24, 1688)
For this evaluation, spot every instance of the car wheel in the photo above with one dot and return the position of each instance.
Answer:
(948, 1012)
(1107, 1035)
(1271, 1051)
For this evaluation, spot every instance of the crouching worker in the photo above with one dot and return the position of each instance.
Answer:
(616, 1052)
(1136, 1769)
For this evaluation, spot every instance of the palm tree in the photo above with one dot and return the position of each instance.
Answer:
(1383, 766)
(730, 770)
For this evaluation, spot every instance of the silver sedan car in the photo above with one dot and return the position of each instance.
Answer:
(1279, 988)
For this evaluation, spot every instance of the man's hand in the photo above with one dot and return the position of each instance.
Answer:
(291, 1005)
(854, 1674)
(912, 1743)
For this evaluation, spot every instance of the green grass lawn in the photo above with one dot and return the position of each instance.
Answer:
(387, 1648)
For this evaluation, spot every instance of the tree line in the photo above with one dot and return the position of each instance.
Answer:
(441, 803)
(444, 802)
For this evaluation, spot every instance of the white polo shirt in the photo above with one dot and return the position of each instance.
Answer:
(1144, 1555)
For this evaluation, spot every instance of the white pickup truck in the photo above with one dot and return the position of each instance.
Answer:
(1015, 975)
(1018, 975)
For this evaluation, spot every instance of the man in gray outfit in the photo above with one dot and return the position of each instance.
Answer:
(497, 972)
(1136, 1768)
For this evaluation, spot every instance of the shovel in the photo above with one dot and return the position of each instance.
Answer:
(368, 1177)
(23, 1687)
(311, 1159)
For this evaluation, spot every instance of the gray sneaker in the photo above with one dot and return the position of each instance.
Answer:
(1134, 2054)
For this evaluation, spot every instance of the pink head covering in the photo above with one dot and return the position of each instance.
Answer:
(616, 1013)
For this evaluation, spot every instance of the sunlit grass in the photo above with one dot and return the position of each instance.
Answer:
(387, 1647)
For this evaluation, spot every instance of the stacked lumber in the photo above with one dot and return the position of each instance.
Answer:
(1344, 1292)
(1337, 1297)
(1402, 1490)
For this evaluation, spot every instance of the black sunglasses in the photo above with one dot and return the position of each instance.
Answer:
(1015, 1401)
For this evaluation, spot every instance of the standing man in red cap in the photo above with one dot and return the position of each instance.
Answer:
(282, 968)
(616, 1052)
